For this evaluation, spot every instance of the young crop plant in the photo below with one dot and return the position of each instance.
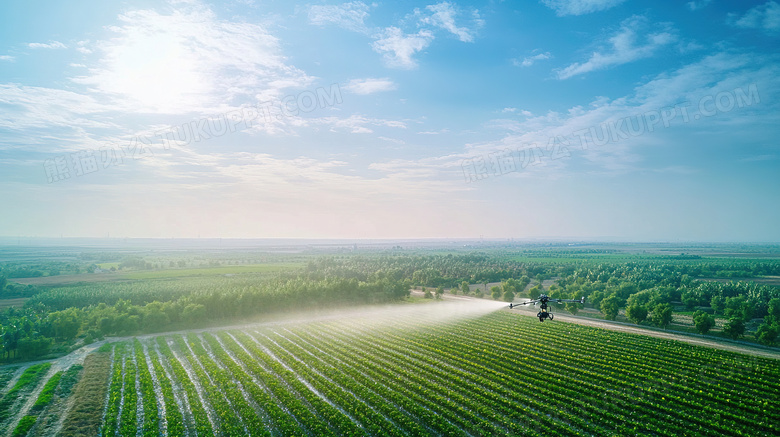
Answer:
(419, 377)
(26, 383)
(24, 426)
(151, 426)
(174, 421)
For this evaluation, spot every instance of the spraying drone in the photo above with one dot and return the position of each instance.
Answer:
(543, 299)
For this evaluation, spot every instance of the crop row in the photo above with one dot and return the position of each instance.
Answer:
(27, 382)
(499, 374)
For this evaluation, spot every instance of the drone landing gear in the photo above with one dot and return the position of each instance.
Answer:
(544, 315)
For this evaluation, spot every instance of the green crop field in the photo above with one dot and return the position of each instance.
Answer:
(495, 374)
(212, 271)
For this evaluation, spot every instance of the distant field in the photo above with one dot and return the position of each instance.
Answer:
(499, 374)
(210, 271)
(6, 303)
(565, 258)
(70, 279)
(106, 266)
(766, 280)
(158, 274)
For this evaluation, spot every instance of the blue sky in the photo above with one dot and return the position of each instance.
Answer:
(581, 119)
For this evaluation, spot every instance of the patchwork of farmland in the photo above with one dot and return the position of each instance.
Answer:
(498, 374)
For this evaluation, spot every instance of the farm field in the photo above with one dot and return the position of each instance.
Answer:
(266, 269)
(495, 374)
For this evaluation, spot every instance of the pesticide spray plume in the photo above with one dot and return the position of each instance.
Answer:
(413, 315)
(370, 317)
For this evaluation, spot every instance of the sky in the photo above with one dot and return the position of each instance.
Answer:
(566, 119)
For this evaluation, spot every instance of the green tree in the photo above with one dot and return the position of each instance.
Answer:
(690, 299)
(155, 318)
(11, 337)
(173, 310)
(65, 323)
(523, 282)
(735, 306)
(596, 297)
(535, 291)
(625, 290)
(636, 313)
(464, 288)
(718, 304)
(748, 309)
(703, 321)
(662, 315)
(3, 281)
(34, 347)
(439, 292)
(734, 328)
(774, 308)
(768, 331)
(193, 312)
(127, 324)
(508, 295)
(641, 298)
(661, 295)
(495, 292)
(105, 325)
(427, 293)
(610, 307)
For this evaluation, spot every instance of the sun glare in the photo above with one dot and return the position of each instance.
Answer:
(159, 72)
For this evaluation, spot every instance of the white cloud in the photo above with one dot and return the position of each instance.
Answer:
(357, 124)
(392, 140)
(398, 48)
(688, 86)
(396, 45)
(579, 7)
(189, 61)
(696, 5)
(49, 45)
(369, 85)
(443, 15)
(434, 132)
(349, 16)
(509, 110)
(632, 42)
(39, 98)
(81, 47)
(52, 119)
(530, 60)
(7, 58)
(765, 17)
(759, 158)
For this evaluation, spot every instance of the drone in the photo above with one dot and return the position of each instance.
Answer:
(543, 299)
